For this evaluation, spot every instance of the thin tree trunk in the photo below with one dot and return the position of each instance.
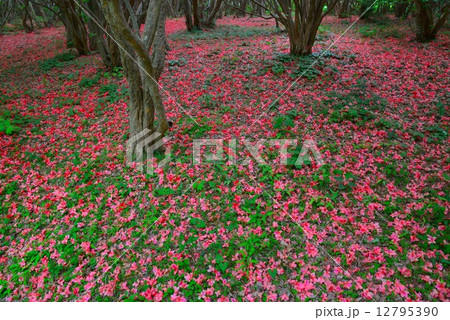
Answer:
(76, 32)
(343, 9)
(426, 28)
(4, 19)
(106, 47)
(209, 21)
(196, 14)
(27, 18)
(188, 15)
(145, 98)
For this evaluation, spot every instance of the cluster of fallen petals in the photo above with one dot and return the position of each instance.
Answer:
(78, 224)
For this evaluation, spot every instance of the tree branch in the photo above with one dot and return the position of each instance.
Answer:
(132, 16)
(151, 23)
(250, 13)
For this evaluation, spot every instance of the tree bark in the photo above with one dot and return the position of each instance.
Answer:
(141, 69)
(209, 21)
(343, 9)
(76, 33)
(200, 15)
(27, 18)
(188, 15)
(106, 47)
(427, 28)
(301, 18)
(196, 14)
(400, 8)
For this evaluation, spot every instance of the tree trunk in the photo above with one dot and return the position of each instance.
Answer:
(199, 15)
(33, 16)
(302, 24)
(343, 9)
(9, 6)
(27, 18)
(188, 15)
(76, 33)
(301, 43)
(426, 28)
(209, 21)
(243, 6)
(400, 8)
(196, 14)
(142, 71)
(106, 47)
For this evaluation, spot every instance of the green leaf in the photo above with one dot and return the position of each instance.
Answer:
(220, 263)
(273, 273)
(199, 185)
(289, 122)
(163, 192)
(278, 122)
(348, 175)
(199, 223)
(223, 266)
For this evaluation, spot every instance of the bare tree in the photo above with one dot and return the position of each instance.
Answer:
(27, 20)
(401, 7)
(105, 46)
(431, 16)
(301, 18)
(143, 57)
(6, 8)
(343, 8)
(76, 31)
(201, 14)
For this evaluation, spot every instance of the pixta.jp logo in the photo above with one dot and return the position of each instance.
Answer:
(141, 147)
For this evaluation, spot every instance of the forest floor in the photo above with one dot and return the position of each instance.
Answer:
(77, 223)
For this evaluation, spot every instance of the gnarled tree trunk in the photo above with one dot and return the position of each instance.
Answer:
(343, 9)
(105, 46)
(201, 14)
(400, 8)
(76, 32)
(301, 18)
(142, 69)
(27, 21)
(427, 26)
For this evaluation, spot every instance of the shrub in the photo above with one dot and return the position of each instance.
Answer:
(57, 61)
(208, 101)
(89, 82)
(368, 32)
(114, 93)
(221, 32)
(357, 106)
(7, 126)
